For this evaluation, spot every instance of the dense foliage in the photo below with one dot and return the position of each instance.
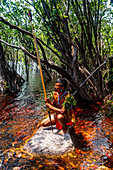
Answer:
(74, 37)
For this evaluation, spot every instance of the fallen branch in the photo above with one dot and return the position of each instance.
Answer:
(30, 34)
(91, 74)
(28, 53)
(20, 48)
(13, 46)
(50, 63)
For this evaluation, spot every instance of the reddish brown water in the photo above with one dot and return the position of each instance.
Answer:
(19, 121)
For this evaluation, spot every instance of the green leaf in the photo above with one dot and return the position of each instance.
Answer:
(69, 102)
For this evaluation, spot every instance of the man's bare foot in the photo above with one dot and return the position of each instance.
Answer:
(62, 131)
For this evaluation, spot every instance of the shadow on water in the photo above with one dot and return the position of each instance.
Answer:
(19, 120)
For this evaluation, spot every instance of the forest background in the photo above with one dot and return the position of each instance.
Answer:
(74, 38)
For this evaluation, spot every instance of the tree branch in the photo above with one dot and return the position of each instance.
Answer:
(31, 35)
(50, 63)
(28, 33)
(91, 74)
(13, 46)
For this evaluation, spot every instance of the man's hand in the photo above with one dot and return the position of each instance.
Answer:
(62, 111)
(47, 100)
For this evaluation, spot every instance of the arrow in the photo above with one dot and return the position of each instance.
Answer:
(38, 58)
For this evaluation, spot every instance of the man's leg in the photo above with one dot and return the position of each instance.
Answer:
(46, 122)
(63, 122)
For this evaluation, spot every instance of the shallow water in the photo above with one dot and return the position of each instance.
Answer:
(19, 120)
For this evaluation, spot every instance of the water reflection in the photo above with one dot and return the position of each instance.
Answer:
(32, 91)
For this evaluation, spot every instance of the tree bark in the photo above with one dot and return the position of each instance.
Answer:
(10, 81)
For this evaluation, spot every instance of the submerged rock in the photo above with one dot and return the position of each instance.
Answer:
(47, 142)
(103, 168)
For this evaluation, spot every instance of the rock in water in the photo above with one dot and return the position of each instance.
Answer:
(103, 168)
(47, 142)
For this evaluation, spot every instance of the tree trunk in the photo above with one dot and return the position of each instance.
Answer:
(110, 82)
(10, 81)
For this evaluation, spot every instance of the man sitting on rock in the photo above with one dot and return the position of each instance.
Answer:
(62, 116)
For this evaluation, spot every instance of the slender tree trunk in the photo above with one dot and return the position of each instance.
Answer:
(110, 84)
(27, 67)
(10, 81)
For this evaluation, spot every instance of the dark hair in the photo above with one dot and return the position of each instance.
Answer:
(62, 81)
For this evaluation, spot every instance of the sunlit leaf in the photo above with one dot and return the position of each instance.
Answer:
(40, 166)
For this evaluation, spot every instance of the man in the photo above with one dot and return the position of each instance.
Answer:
(61, 118)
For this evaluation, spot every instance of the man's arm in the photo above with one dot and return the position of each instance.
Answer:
(60, 111)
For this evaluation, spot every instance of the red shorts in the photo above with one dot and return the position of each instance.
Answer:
(59, 126)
